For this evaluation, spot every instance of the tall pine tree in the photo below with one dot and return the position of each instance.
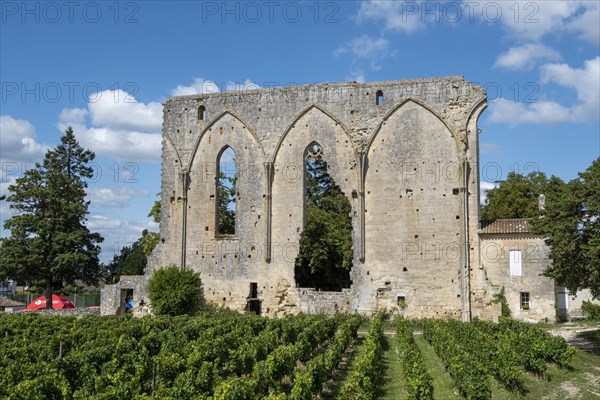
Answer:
(49, 240)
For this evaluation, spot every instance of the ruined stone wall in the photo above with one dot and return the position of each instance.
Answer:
(113, 301)
(405, 154)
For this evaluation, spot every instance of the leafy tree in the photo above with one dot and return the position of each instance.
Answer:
(226, 197)
(130, 261)
(173, 291)
(516, 197)
(49, 240)
(571, 220)
(325, 256)
(149, 240)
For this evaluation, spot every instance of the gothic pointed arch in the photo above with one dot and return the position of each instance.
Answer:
(227, 131)
(314, 125)
(215, 122)
(414, 203)
(307, 110)
(396, 108)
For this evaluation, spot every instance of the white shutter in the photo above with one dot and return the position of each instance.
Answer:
(514, 257)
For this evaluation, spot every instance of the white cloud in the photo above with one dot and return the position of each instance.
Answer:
(365, 46)
(116, 197)
(122, 127)
(116, 109)
(117, 233)
(18, 141)
(483, 188)
(531, 20)
(586, 83)
(198, 87)
(358, 77)
(490, 148)
(201, 86)
(75, 115)
(586, 24)
(118, 144)
(231, 86)
(366, 50)
(513, 114)
(525, 19)
(399, 15)
(526, 56)
(5, 211)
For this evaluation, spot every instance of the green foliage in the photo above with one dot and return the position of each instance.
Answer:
(191, 357)
(226, 355)
(267, 375)
(516, 197)
(226, 195)
(419, 382)
(130, 261)
(366, 380)
(325, 256)
(320, 369)
(149, 240)
(49, 239)
(472, 353)
(468, 374)
(174, 291)
(501, 298)
(155, 211)
(571, 221)
(591, 310)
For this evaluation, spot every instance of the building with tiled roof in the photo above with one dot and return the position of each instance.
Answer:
(514, 225)
(8, 305)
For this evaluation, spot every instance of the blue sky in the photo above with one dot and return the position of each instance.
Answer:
(106, 67)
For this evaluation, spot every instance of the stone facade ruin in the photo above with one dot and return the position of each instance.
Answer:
(405, 154)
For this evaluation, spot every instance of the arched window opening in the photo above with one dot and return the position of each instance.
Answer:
(379, 98)
(226, 193)
(201, 113)
(325, 257)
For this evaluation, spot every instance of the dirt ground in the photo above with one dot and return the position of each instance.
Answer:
(571, 331)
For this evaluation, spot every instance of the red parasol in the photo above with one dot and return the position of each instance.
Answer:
(58, 302)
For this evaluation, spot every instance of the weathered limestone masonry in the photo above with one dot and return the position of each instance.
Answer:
(515, 258)
(405, 153)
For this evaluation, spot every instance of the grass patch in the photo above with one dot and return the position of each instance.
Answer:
(581, 381)
(442, 382)
(592, 337)
(347, 368)
(580, 323)
(393, 387)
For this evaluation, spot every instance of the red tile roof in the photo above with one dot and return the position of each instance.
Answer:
(515, 225)
(5, 302)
